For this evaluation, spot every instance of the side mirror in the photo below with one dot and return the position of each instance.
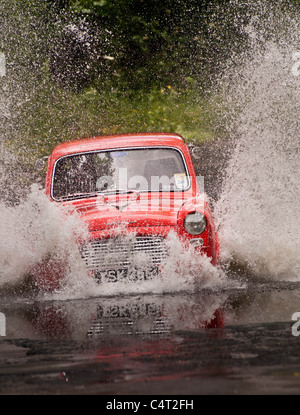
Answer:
(41, 163)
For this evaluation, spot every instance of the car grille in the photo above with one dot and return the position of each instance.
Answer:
(124, 252)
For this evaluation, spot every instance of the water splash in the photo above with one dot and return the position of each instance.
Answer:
(37, 229)
(32, 230)
(181, 271)
(258, 211)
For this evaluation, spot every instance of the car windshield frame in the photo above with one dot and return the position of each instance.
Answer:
(79, 195)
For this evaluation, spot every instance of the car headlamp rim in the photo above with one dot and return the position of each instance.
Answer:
(195, 223)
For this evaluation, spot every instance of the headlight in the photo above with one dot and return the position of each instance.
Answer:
(195, 223)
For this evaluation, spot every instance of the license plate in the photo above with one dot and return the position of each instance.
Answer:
(125, 274)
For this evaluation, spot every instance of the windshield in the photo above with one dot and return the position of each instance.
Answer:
(142, 170)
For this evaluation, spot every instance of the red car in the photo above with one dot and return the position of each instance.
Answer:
(132, 190)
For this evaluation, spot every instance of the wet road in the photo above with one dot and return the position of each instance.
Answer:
(238, 341)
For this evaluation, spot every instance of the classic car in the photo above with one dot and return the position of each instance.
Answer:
(131, 191)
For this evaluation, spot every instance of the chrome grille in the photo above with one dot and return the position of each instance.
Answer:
(124, 252)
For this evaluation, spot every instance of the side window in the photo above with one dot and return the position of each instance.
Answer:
(74, 175)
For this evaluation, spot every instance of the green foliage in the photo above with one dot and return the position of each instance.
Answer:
(63, 115)
(148, 43)
(81, 67)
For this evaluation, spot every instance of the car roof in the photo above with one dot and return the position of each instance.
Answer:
(117, 141)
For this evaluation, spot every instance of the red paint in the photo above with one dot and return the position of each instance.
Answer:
(146, 213)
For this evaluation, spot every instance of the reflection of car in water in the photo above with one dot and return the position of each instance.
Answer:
(132, 191)
(101, 318)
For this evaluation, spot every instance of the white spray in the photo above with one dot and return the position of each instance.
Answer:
(258, 210)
